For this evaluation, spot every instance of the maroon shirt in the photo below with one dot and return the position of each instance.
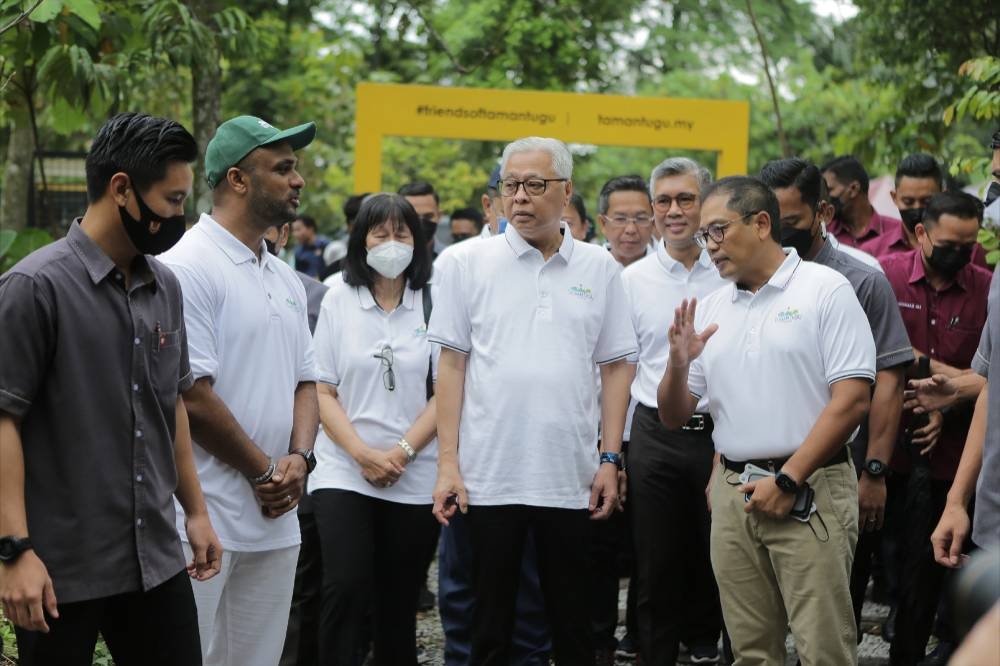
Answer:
(946, 325)
(894, 241)
(878, 226)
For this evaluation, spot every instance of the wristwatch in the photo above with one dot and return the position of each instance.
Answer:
(11, 547)
(613, 458)
(875, 467)
(785, 483)
(309, 456)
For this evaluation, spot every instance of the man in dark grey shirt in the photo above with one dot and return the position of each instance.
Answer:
(94, 439)
(801, 194)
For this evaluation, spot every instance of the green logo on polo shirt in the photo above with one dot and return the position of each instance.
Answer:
(788, 314)
(582, 292)
(290, 302)
(420, 331)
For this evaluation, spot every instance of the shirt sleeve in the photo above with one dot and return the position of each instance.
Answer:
(200, 312)
(307, 363)
(981, 360)
(185, 378)
(845, 337)
(617, 337)
(450, 325)
(892, 344)
(324, 340)
(26, 343)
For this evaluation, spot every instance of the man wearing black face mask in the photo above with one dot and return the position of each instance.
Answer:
(942, 298)
(801, 192)
(993, 190)
(94, 437)
(426, 202)
(855, 222)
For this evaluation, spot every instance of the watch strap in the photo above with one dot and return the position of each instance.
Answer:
(308, 455)
(613, 458)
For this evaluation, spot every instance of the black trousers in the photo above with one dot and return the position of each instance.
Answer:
(610, 549)
(561, 539)
(372, 552)
(678, 599)
(154, 628)
(869, 543)
(302, 638)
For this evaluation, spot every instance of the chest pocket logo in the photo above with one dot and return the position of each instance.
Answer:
(585, 293)
(787, 315)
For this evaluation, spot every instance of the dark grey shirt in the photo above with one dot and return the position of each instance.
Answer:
(986, 522)
(93, 373)
(315, 291)
(892, 344)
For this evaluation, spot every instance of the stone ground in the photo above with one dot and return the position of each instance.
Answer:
(873, 651)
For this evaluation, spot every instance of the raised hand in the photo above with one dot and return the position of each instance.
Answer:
(685, 343)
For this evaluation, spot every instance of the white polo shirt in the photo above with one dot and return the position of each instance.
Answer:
(655, 286)
(352, 328)
(533, 331)
(767, 371)
(247, 330)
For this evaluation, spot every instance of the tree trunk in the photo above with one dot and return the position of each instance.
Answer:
(16, 183)
(206, 94)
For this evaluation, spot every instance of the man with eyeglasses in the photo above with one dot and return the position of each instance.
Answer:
(942, 298)
(786, 360)
(626, 218)
(425, 200)
(518, 438)
(669, 469)
(801, 196)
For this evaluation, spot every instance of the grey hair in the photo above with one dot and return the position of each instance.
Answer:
(680, 166)
(562, 160)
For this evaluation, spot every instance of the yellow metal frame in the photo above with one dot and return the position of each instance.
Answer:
(503, 115)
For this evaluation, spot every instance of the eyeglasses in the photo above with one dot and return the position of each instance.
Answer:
(685, 201)
(388, 377)
(623, 220)
(533, 187)
(716, 231)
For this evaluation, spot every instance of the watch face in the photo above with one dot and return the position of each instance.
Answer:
(7, 550)
(875, 467)
(786, 483)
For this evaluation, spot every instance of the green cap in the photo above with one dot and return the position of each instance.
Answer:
(238, 137)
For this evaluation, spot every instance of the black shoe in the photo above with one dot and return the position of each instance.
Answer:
(940, 655)
(703, 654)
(627, 649)
(426, 600)
(889, 626)
(604, 657)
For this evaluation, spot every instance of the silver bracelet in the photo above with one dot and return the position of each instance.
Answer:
(265, 477)
(411, 454)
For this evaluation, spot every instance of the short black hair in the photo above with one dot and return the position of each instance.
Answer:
(920, 165)
(631, 183)
(847, 169)
(995, 141)
(352, 206)
(306, 220)
(470, 214)
(957, 203)
(798, 173)
(747, 195)
(139, 145)
(377, 209)
(419, 188)
(576, 201)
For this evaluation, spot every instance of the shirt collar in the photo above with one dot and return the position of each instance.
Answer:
(232, 246)
(367, 299)
(670, 264)
(522, 247)
(781, 277)
(917, 272)
(99, 265)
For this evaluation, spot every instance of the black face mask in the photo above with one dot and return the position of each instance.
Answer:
(838, 208)
(949, 260)
(429, 228)
(800, 239)
(993, 193)
(272, 247)
(458, 238)
(151, 233)
(912, 217)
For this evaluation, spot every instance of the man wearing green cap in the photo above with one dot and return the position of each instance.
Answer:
(253, 406)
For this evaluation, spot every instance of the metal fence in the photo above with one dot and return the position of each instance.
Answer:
(58, 193)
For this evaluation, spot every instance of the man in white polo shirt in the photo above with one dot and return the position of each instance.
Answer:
(522, 318)
(669, 469)
(253, 407)
(785, 358)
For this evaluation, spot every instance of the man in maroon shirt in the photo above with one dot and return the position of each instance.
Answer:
(918, 178)
(942, 298)
(855, 221)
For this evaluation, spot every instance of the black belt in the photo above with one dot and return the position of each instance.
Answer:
(775, 464)
(697, 423)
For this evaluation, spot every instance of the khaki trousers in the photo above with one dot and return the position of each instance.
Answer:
(775, 574)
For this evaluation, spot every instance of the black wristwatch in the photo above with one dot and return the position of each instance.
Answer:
(11, 547)
(785, 483)
(309, 456)
(875, 467)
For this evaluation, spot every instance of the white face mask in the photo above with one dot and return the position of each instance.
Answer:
(390, 258)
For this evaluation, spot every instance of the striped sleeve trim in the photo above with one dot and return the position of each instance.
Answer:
(443, 343)
(618, 357)
(852, 374)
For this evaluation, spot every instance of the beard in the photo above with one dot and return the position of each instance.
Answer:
(268, 211)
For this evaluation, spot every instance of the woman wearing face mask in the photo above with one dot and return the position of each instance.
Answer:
(376, 451)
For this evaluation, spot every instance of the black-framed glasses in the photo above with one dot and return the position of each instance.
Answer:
(533, 187)
(716, 231)
(641, 220)
(685, 201)
(388, 377)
